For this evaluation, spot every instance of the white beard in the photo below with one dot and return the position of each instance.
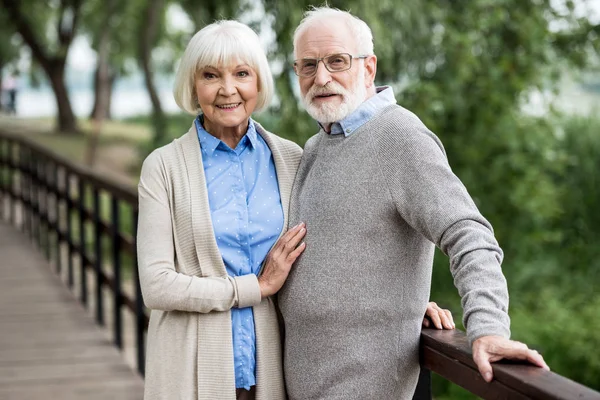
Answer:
(327, 113)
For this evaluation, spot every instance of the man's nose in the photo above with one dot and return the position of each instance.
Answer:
(322, 76)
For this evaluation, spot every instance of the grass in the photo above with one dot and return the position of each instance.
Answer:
(117, 155)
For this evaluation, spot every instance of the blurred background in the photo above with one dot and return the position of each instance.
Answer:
(512, 88)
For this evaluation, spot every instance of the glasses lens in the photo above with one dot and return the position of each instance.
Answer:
(338, 62)
(306, 66)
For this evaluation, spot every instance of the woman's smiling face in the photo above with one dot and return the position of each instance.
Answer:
(227, 96)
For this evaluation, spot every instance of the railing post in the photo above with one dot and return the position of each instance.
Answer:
(82, 244)
(140, 316)
(57, 218)
(2, 178)
(98, 257)
(27, 212)
(69, 234)
(46, 197)
(22, 163)
(34, 196)
(13, 191)
(116, 259)
(41, 200)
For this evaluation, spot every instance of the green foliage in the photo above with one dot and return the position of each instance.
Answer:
(97, 18)
(564, 327)
(8, 51)
(552, 260)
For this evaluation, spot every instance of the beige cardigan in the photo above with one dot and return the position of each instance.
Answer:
(185, 284)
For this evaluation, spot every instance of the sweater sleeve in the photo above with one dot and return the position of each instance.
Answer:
(434, 202)
(163, 287)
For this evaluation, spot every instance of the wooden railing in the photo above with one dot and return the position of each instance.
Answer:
(58, 203)
(76, 216)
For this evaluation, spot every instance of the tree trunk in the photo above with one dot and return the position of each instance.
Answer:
(66, 122)
(104, 76)
(147, 39)
(102, 107)
(103, 90)
(53, 64)
(1, 91)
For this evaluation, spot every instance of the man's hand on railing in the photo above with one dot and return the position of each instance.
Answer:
(488, 349)
(439, 317)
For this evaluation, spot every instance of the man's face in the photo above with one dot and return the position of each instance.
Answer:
(330, 96)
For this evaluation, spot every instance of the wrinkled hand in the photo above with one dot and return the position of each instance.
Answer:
(280, 259)
(441, 318)
(488, 349)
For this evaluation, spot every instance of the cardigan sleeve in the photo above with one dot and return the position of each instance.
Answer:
(163, 287)
(434, 202)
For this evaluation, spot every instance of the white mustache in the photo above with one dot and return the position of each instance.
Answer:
(331, 88)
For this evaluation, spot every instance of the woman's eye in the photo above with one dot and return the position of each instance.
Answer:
(243, 74)
(208, 75)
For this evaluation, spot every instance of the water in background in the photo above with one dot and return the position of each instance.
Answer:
(132, 101)
(125, 102)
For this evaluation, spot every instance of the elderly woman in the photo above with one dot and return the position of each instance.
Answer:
(212, 246)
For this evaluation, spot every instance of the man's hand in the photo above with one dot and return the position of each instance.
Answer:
(441, 318)
(488, 349)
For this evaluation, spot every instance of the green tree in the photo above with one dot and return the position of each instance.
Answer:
(467, 68)
(48, 29)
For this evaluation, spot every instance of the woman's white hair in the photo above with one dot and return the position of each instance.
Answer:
(221, 44)
(361, 32)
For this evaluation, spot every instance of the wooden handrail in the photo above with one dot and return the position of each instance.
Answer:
(448, 354)
(122, 191)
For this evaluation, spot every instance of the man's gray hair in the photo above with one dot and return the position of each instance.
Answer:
(360, 30)
(221, 44)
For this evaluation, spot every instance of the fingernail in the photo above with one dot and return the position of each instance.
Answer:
(487, 376)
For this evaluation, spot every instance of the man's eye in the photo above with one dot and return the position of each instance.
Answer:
(309, 64)
(337, 61)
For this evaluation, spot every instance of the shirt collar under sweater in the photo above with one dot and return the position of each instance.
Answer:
(209, 143)
(384, 97)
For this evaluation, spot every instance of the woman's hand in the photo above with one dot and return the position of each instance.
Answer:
(441, 318)
(280, 259)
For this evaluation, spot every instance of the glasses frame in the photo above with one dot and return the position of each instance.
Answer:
(318, 59)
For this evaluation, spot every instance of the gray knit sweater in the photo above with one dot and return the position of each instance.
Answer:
(375, 203)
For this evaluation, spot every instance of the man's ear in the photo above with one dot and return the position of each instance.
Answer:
(370, 70)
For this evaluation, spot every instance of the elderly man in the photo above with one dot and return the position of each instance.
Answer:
(377, 194)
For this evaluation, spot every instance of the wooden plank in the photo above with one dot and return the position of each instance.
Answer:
(78, 389)
(49, 345)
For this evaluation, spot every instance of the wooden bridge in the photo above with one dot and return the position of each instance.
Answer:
(72, 320)
(50, 347)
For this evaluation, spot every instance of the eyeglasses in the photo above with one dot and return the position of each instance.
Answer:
(307, 67)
